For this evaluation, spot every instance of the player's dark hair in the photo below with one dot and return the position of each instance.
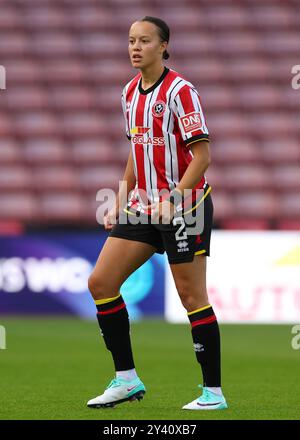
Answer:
(163, 31)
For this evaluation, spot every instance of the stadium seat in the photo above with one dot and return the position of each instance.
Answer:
(44, 17)
(257, 205)
(280, 150)
(14, 45)
(61, 207)
(247, 177)
(26, 99)
(62, 130)
(236, 151)
(21, 206)
(83, 124)
(94, 151)
(14, 177)
(71, 98)
(22, 72)
(242, 224)
(29, 124)
(223, 205)
(64, 72)
(44, 151)
(10, 152)
(55, 178)
(286, 177)
(290, 206)
(10, 19)
(95, 178)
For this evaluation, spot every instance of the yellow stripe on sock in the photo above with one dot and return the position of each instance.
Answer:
(106, 300)
(199, 310)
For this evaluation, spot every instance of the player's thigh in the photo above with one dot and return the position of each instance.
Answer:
(190, 282)
(118, 259)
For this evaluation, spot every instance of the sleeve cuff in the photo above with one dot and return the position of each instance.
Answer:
(197, 138)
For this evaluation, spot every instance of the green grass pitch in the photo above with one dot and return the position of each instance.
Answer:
(52, 366)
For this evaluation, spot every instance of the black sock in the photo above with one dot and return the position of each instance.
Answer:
(206, 338)
(114, 326)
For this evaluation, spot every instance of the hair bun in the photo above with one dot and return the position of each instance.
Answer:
(166, 55)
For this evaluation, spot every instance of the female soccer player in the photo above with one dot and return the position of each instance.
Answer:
(170, 152)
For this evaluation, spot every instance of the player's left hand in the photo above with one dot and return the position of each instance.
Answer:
(162, 212)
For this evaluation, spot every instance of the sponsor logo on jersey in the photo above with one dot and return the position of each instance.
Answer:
(191, 122)
(139, 130)
(158, 109)
(139, 138)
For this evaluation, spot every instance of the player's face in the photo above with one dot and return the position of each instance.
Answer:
(145, 47)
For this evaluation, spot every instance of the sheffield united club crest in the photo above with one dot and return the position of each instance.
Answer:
(158, 109)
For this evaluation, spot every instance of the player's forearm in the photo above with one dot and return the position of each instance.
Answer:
(128, 183)
(197, 167)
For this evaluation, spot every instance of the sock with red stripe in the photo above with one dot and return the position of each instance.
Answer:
(206, 338)
(114, 326)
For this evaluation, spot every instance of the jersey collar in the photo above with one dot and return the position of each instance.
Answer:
(145, 92)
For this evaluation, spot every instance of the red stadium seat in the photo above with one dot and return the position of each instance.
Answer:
(257, 205)
(286, 177)
(10, 19)
(289, 225)
(223, 206)
(290, 206)
(258, 97)
(22, 72)
(6, 125)
(71, 98)
(191, 45)
(62, 130)
(36, 124)
(95, 178)
(218, 98)
(115, 72)
(236, 44)
(44, 17)
(63, 72)
(214, 176)
(227, 17)
(93, 152)
(54, 178)
(246, 177)
(14, 177)
(53, 45)
(26, 99)
(45, 151)
(280, 150)
(235, 151)
(61, 207)
(18, 206)
(248, 224)
(10, 152)
(13, 45)
(202, 71)
(83, 124)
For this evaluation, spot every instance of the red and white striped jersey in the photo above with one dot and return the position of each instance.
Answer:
(161, 123)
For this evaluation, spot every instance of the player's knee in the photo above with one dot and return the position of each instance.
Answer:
(187, 301)
(96, 287)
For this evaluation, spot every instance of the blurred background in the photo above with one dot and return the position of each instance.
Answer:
(62, 138)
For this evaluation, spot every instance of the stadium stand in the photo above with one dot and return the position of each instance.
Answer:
(61, 124)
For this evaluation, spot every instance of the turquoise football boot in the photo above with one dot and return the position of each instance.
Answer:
(207, 401)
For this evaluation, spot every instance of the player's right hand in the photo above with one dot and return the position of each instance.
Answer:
(109, 220)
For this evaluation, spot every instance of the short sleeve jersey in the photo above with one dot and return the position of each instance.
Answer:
(161, 123)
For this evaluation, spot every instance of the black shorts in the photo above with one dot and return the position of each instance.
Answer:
(175, 238)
